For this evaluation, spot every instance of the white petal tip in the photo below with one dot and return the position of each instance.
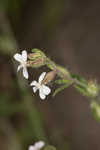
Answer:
(31, 148)
(42, 77)
(42, 95)
(39, 144)
(24, 55)
(46, 90)
(33, 83)
(35, 89)
(18, 57)
(25, 73)
(26, 77)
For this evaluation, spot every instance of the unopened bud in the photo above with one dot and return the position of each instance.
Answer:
(49, 77)
(33, 56)
(37, 51)
(36, 63)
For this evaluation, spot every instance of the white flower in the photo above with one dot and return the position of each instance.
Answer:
(43, 89)
(37, 146)
(22, 59)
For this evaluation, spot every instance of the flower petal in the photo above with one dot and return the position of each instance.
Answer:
(39, 145)
(19, 67)
(25, 72)
(35, 89)
(31, 147)
(24, 55)
(42, 95)
(42, 77)
(46, 90)
(34, 83)
(18, 57)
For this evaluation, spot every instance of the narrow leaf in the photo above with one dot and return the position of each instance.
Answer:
(60, 89)
(62, 81)
(81, 90)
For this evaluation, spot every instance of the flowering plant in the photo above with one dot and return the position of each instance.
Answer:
(37, 58)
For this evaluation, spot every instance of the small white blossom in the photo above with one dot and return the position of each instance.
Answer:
(22, 59)
(43, 89)
(36, 146)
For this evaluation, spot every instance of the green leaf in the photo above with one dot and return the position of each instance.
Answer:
(60, 89)
(79, 78)
(49, 66)
(95, 109)
(62, 81)
(81, 90)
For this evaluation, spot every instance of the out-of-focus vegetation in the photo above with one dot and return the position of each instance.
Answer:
(21, 121)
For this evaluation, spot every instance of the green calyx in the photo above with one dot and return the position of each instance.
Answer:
(36, 63)
(36, 58)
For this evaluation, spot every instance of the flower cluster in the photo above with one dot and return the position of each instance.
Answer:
(40, 85)
(37, 58)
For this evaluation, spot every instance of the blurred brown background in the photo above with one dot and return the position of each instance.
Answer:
(68, 32)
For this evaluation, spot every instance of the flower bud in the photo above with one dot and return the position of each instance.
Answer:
(39, 52)
(49, 77)
(36, 63)
(33, 56)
